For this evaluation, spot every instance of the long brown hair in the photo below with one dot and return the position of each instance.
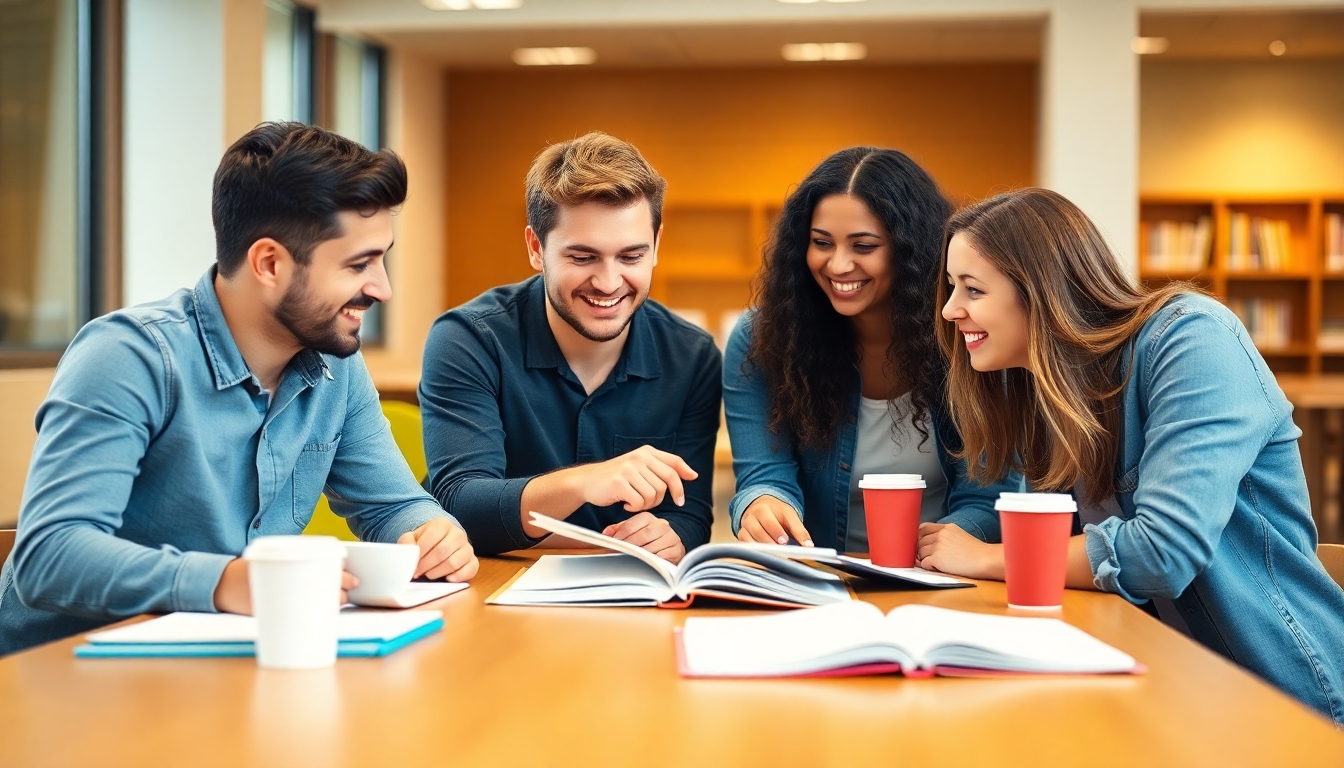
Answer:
(1059, 420)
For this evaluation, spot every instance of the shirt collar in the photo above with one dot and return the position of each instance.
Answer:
(225, 359)
(639, 357)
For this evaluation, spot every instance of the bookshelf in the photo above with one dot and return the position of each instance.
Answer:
(1268, 257)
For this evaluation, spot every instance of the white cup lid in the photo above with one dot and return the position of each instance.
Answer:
(290, 548)
(1035, 502)
(892, 482)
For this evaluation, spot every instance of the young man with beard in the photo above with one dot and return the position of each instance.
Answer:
(177, 432)
(571, 393)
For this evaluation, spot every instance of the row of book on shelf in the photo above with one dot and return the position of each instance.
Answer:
(1269, 321)
(1254, 243)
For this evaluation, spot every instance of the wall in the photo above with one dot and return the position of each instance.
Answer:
(721, 135)
(21, 391)
(1236, 126)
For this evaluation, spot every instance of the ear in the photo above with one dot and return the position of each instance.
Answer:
(534, 248)
(657, 238)
(267, 259)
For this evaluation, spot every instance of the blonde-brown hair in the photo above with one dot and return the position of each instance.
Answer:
(1058, 421)
(594, 167)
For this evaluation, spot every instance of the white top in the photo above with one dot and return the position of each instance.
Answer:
(876, 453)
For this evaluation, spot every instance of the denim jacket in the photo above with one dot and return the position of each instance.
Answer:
(1214, 505)
(817, 482)
(159, 458)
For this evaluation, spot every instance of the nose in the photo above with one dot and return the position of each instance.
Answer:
(841, 261)
(379, 286)
(952, 310)
(606, 276)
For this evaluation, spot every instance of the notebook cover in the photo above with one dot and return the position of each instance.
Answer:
(344, 648)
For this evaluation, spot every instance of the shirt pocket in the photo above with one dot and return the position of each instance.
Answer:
(310, 477)
(621, 444)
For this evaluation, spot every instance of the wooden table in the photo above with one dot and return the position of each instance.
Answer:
(1313, 398)
(598, 686)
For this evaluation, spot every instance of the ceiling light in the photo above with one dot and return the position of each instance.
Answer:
(1145, 46)
(1278, 48)
(467, 5)
(553, 57)
(824, 51)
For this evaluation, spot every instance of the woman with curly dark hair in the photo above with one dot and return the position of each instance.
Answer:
(836, 372)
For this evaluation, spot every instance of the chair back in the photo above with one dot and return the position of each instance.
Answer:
(6, 543)
(1332, 557)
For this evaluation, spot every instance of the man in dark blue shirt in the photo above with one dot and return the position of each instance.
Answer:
(571, 393)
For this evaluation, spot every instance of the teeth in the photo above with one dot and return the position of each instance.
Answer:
(847, 287)
(357, 314)
(971, 338)
(604, 303)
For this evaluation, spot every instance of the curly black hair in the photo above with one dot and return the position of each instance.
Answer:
(807, 351)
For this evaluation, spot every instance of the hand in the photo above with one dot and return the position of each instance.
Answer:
(234, 591)
(444, 551)
(949, 549)
(770, 521)
(640, 479)
(650, 532)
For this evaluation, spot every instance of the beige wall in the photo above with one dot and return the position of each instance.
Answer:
(1236, 127)
(416, 128)
(21, 391)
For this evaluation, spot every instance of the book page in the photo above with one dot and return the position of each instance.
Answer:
(578, 533)
(598, 579)
(790, 643)
(938, 636)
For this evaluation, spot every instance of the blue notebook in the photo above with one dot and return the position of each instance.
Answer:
(359, 633)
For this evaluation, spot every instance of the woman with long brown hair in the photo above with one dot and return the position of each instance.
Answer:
(836, 373)
(1155, 409)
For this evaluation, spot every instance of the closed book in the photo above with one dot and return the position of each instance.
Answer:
(915, 640)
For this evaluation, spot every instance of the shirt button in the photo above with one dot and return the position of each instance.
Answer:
(256, 523)
(844, 466)
(852, 419)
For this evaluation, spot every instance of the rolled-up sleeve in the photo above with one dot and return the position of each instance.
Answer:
(1208, 417)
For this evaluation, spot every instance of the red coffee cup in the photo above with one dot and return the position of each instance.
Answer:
(891, 505)
(1036, 529)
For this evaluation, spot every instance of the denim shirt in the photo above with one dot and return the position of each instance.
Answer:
(817, 482)
(501, 406)
(1214, 506)
(159, 458)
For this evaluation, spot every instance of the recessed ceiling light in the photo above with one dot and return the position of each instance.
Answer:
(553, 57)
(1145, 46)
(467, 5)
(1278, 48)
(824, 51)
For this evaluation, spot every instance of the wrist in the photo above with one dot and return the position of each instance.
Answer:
(992, 562)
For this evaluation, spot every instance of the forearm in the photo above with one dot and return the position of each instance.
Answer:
(1079, 574)
(555, 494)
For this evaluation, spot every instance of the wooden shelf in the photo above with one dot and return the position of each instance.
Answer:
(1267, 274)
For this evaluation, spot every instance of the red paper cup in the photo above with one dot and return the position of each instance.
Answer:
(891, 505)
(1036, 529)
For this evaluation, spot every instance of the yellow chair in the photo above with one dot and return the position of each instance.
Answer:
(404, 419)
(1332, 557)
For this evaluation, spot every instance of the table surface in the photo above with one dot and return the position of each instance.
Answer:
(598, 686)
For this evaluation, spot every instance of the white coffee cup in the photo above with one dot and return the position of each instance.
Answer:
(296, 596)
(383, 570)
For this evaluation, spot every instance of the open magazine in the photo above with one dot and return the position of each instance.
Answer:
(768, 574)
(916, 640)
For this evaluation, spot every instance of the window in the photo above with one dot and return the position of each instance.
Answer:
(287, 63)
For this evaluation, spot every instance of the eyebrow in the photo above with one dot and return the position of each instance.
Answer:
(596, 252)
(369, 253)
(821, 231)
(964, 277)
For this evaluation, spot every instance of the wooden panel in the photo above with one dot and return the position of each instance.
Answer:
(721, 137)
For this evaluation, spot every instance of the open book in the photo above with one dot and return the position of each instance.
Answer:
(917, 640)
(756, 573)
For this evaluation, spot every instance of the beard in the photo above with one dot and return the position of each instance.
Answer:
(565, 309)
(314, 324)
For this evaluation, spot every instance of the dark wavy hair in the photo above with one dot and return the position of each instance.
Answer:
(805, 350)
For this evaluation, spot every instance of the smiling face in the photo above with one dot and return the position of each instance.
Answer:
(324, 304)
(849, 255)
(597, 264)
(985, 306)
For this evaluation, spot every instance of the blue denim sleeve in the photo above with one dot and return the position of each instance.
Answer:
(697, 434)
(970, 505)
(370, 483)
(764, 464)
(111, 395)
(464, 438)
(1208, 418)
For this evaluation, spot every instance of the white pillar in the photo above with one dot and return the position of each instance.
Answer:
(1089, 133)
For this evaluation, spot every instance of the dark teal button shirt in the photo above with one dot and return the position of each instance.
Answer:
(501, 406)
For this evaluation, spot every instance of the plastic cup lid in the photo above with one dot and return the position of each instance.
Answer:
(1035, 502)
(290, 548)
(892, 482)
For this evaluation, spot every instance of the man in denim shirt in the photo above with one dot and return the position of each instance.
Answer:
(571, 394)
(177, 432)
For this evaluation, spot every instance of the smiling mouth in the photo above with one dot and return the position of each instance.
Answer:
(973, 337)
(850, 286)
(355, 313)
(603, 303)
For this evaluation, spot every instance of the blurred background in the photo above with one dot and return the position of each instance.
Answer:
(1206, 138)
